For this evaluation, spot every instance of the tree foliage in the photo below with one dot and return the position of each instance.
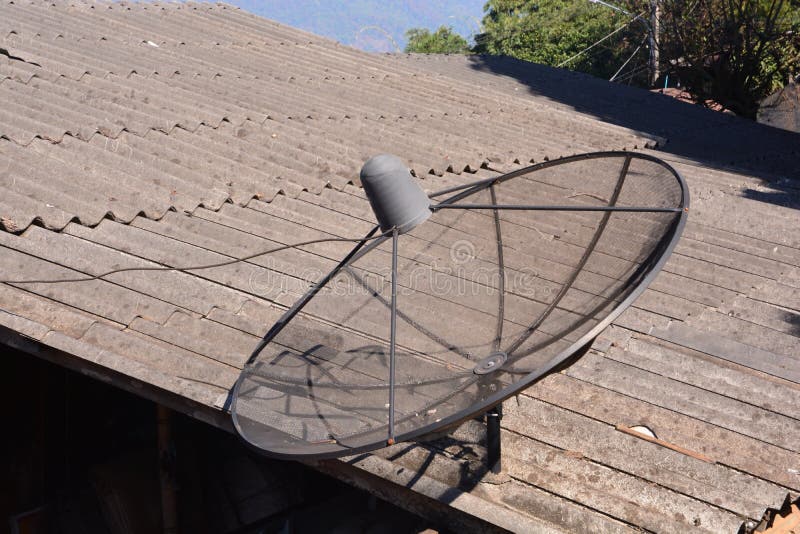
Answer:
(734, 53)
(555, 32)
(442, 41)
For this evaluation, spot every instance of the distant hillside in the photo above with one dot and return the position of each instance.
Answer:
(373, 25)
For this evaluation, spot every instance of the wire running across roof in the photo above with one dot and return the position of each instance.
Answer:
(362, 360)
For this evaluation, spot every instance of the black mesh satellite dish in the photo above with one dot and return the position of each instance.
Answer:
(456, 301)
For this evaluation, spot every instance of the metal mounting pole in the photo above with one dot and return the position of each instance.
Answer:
(493, 444)
(392, 337)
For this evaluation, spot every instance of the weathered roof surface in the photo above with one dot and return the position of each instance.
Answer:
(135, 99)
(177, 134)
(781, 109)
(689, 131)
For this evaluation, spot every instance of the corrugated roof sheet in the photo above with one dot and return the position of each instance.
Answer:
(140, 85)
(687, 130)
(152, 135)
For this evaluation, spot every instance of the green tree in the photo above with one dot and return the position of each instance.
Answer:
(734, 53)
(442, 41)
(558, 32)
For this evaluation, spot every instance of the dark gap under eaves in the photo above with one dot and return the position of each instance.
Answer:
(80, 455)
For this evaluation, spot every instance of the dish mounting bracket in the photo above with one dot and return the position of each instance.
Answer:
(493, 440)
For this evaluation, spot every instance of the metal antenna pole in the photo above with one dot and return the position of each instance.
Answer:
(493, 442)
(392, 336)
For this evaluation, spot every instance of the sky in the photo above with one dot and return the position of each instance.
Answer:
(372, 25)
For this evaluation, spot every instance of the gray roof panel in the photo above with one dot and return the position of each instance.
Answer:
(187, 134)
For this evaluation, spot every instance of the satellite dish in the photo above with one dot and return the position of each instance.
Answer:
(457, 300)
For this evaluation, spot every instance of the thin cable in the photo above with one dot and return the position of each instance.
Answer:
(631, 73)
(600, 41)
(628, 60)
(612, 6)
(200, 267)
